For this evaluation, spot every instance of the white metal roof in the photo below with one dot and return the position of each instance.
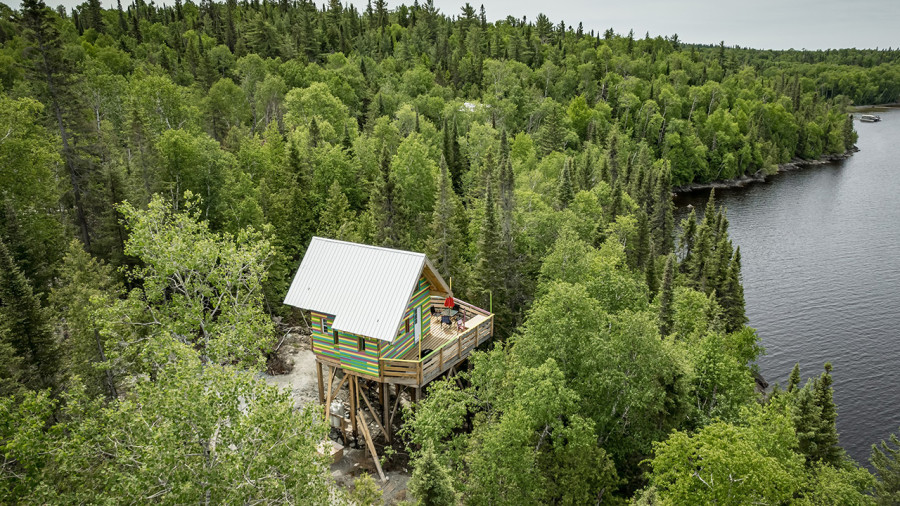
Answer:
(366, 288)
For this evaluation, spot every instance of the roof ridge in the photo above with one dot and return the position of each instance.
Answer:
(361, 245)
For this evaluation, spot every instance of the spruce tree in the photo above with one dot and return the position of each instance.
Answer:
(794, 378)
(886, 461)
(337, 218)
(807, 417)
(640, 251)
(507, 203)
(666, 297)
(445, 242)
(662, 222)
(827, 448)
(26, 326)
(565, 190)
(383, 205)
(49, 66)
(732, 296)
(431, 483)
(489, 267)
(686, 243)
(651, 276)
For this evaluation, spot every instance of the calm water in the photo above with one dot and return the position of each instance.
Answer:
(821, 265)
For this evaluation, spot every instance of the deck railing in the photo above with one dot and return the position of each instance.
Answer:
(420, 372)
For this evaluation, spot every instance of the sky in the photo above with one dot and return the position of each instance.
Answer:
(762, 24)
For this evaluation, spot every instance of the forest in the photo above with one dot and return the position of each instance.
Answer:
(163, 168)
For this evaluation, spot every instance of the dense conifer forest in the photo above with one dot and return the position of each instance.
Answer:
(163, 168)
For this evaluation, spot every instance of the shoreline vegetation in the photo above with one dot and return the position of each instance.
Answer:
(761, 176)
(165, 168)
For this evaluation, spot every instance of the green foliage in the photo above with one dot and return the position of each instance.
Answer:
(196, 434)
(86, 286)
(730, 464)
(199, 290)
(561, 149)
(887, 464)
(365, 491)
(29, 190)
(25, 329)
(431, 484)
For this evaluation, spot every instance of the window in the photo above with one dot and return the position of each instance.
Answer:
(360, 343)
(324, 326)
(407, 325)
(334, 332)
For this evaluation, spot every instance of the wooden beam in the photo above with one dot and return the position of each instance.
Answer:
(386, 409)
(332, 395)
(365, 398)
(396, 405)
(321, 382)
(371, 446)
(353, 408)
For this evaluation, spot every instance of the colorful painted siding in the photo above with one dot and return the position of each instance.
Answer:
(323, 341)
(347, 350)
(406, 340)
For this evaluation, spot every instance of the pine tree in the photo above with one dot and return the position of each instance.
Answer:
(666, 297)
(431, 483)
(26, 326)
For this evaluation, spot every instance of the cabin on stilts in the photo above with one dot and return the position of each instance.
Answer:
(385, 317)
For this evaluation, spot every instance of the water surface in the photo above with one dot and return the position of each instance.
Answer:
(821, 266)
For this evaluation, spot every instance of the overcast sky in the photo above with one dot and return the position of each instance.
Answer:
(767, 24)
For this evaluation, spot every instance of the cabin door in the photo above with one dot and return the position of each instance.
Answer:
(418, 323)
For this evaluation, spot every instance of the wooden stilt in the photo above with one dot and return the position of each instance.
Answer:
(418, 395)
(396, 406)
(353, 407)
(321, 382)
(365, 399)
(386, 409)
(371, 446)
(333, 394)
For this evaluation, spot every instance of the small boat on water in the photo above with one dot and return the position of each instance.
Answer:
(870, 118)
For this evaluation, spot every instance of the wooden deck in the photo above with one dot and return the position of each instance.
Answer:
(442, 334)
(450, 347)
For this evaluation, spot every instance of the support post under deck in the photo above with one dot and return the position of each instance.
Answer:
(321, 382)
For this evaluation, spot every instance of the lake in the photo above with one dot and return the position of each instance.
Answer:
(821, 268)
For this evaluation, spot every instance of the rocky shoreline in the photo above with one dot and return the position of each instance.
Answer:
(760, 175)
